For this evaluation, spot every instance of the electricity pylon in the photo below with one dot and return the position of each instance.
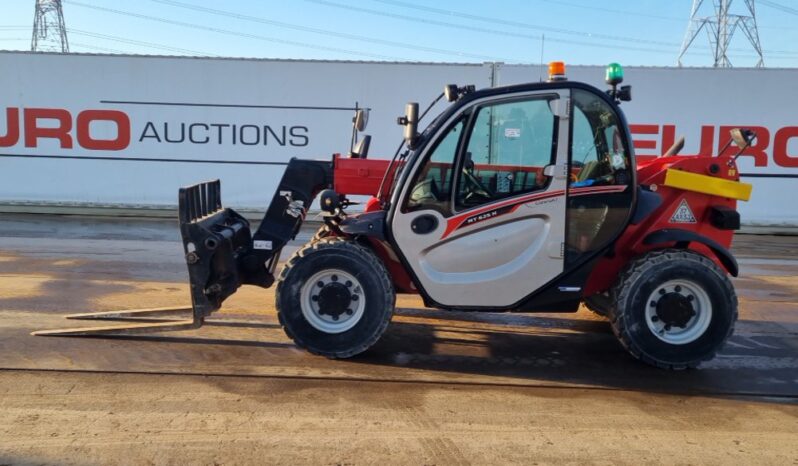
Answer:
(49, 30)
(720, 28)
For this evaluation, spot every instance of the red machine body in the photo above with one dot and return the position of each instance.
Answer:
(652, 175)
(356, 176)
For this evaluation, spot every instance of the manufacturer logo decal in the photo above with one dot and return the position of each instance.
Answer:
(487, 215)
(683, 214)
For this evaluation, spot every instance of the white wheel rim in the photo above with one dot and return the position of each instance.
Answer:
(317, 317)
(695, 327)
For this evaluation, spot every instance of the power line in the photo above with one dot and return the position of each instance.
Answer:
(325, 32)
(123, 40)
(135, 42)
(94, 47)
(642, 15)
(610, 10)
(472, 29)
(234, 33)
(505, 22)
(518, 24)
(779, 6)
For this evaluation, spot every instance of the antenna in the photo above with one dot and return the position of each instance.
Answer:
(49, 30)
(720, 28)
(542, 44)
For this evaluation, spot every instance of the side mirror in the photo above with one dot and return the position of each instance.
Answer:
(452, 92)
(361, 150)
(361, 119)
(624, 94)
(742, 137)
(410, 122)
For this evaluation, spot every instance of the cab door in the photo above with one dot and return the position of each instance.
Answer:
(481, 221)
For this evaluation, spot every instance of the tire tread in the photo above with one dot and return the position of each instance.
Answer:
(621, 291)
(348, 247)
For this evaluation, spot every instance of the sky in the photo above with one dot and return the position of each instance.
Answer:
(585, 32)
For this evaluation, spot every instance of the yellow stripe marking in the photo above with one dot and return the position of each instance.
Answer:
(707, 184)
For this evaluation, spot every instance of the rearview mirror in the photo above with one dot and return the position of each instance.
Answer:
(450, 91)
(361, 119)
(742, 137)
(361, 150)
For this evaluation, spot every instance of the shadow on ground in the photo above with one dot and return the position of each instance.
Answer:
(581, 351)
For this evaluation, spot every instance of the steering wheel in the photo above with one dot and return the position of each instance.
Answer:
(477, 189)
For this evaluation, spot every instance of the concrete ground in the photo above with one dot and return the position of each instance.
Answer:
(439, 388)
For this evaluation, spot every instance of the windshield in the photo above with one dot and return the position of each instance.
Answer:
(400, 160)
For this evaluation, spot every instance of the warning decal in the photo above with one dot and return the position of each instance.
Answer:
(683, 214)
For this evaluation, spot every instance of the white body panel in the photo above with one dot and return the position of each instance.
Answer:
(512, 255)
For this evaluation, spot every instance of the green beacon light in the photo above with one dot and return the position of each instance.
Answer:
(614, 74)
(614, 77)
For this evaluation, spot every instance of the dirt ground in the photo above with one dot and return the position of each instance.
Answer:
(439, 388)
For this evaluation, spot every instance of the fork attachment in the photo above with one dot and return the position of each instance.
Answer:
(216, 242)
(220, 250)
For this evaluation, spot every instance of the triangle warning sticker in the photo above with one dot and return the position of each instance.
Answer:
(683, 214)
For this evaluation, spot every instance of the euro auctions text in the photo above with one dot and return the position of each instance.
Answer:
(28, 126)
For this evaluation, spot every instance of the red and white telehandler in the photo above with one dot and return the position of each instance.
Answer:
(514, 199)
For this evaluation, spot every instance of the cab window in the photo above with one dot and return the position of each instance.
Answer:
(599, 158)
(432, 184)
(509, 145)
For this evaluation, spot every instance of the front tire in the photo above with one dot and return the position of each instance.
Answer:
(324, 231)
(334, 298)
(599, 304)
(673, 309)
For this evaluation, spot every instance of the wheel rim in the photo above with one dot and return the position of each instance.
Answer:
(678, 312)
(332, 301)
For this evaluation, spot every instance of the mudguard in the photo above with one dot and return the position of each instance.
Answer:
(677, 235)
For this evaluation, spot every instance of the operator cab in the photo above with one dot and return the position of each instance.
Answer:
(515, 189)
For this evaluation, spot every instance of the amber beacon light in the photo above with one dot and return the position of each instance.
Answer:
(557, 71)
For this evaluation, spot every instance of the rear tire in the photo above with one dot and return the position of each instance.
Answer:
(673, 309)
(334, 298)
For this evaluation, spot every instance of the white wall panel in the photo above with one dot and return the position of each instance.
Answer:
(312, 100)
(214, 95)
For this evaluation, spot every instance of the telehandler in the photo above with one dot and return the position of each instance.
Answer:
(520, 198)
